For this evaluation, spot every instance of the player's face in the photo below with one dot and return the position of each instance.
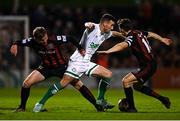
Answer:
(44, 40)
(108, 26)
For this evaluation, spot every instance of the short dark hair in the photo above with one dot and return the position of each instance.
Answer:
(39, 32)
(107, 17)
(125, 24)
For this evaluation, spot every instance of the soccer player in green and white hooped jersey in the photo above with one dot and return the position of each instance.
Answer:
(92, 38)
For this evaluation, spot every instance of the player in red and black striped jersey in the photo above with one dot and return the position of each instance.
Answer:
(48, 50)
(138, 43)
(53, 62)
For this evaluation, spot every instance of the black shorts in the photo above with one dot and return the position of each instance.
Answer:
(48, 72)
(146, 72)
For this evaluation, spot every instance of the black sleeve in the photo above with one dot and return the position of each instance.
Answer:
(24, 42)
(65, 39)
(74, 41)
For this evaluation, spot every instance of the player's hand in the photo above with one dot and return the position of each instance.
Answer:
(89, 25)
(14, 49)
(167, 41)
(82, 52)
(102, 52)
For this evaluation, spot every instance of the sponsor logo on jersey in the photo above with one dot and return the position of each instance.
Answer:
(47, 52)
(93, 45)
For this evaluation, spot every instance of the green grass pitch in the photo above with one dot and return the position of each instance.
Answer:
(69, 104)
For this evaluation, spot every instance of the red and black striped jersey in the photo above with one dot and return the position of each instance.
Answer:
(137, 41)
(51, 55)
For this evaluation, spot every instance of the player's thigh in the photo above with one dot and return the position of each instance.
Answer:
(34, 77)
(145, 73)
(67, 79)
(101, 71)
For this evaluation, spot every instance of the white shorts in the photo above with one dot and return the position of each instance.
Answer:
(76, 69)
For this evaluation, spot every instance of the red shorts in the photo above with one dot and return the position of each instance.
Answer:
(146, 72)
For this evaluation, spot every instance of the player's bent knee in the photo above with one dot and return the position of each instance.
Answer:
(63, 84)
(109, 74)
(77, 84)
(26, 84)
(137, 86)
(125, 83)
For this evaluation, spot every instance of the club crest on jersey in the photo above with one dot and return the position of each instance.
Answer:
(93, 45)
(73, 69)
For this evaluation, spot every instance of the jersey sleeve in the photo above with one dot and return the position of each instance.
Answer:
(65, 39)
(60, 39)
(24, 42)
(129, 40)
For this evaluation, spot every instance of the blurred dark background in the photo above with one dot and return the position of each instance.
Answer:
(68, 17)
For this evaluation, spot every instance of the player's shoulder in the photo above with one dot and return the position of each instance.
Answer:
(136, 33)
(95, 28)
(142, 32)
(96, 25)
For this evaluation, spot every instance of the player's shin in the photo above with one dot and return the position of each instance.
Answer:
(24, 97)
(129, 94)
(87, 94)
(90, 97)
(101, 92)
(102, 88)
(51, 91)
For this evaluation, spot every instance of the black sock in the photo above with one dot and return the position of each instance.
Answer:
(148, 91)
(24, 96)
(129, 96)
(87, 94)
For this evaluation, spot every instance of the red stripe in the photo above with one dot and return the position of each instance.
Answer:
(46, 61)
(53, 60)
(59, 56)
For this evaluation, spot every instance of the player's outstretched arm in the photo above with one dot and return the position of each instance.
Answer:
(74, 41)
(159, 38)
(14, 49)
(118, 34)
(25, 42)
(118, 47)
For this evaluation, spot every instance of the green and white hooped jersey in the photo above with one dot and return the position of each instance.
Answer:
(90, 41)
